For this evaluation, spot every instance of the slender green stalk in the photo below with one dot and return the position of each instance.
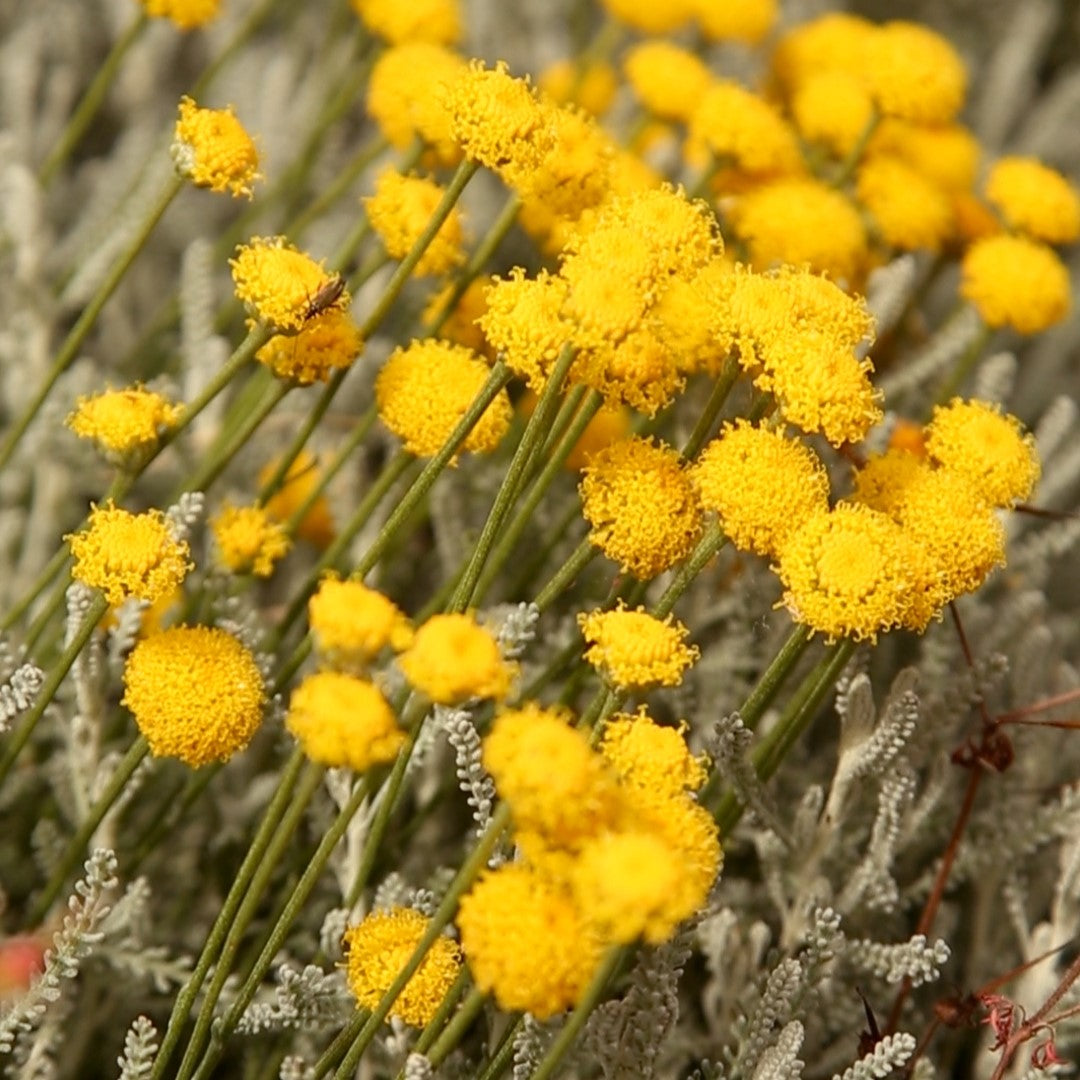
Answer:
(539, 557)
(504, 1053)
(583, 554)
(709, 544)
(69, 350)
(729, 373)
(513, 480)
(454, 1031)
(336, 1050)
(569, 1032)
(337, 187)
(964, 367)
(51, 569)
(768, 686)
(76, 846)
(91, 100)
(19, 737)
(172, 810)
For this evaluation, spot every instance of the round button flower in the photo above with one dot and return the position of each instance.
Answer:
(453, 658)
(126, 424)
(281, 286)
(646, 755)
(249, 540)
(1017, 282)
(425, 388)
(642, 507)
(352, 624)
(186, 14)
(343, 722)
(911, 212)
(128, 555)
(634, 650)
(211, 149)
(327, 342)
(378, 948)
(668, 81)
(422, 20)
(1035, 199)
(195, 693)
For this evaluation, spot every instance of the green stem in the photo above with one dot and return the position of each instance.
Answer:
(69, 350)
(719, 394)
(535, 562)
(569, 1032)
(91, 100)
(172, 810)
(333, 1053)
(19, 737)
(800, 711)
(510, 488)
(583, 554)
(76, 846)
(768, 686)
(41, 583)
(504, 1054)
(455, 1031)
(964, 367)
(337, 187)
(709, 544)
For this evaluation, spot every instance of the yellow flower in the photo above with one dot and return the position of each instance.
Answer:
(317, 525)
(832, 107)
(423, 391)
(1034, 199)
(1013, 281)
(526, 941)
(556, 784)
(668, 80)
(211, 149)
(498, 121)
(379, 948)
(762, 485)
(125, 554)
(740, 128)
(343, 722)
(281, 286)
(327, 341)
(659, 17)
(913, 73)
(851, 572)
(801, 221)
(747, 21)
(452, 659)
(248, 540)
(991, 450)
(832, 42)
(437, 21)
(186, 14)
(883, 481)
(647, 756)
(352, 624)
(125, 424)
(399, 212)
(911, 212)
(634, 650)
(592, 84)
(404, 95)
(946, 155)
(641, 505)
(195, 692)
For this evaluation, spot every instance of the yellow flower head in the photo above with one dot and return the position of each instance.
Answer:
(352, 624)
(590, 84)
(641, 505)
(327, 341)
(125, 554)
(211, 149)
(399, 212)
(634, 650)
(185, 14)
(452, 659)
(747, 21)
(992, 450)
(343, 722)
(404, 97)
(526, 941)
(304, 475)
(1035, 199)
(911, 212)
(668, 80)
(377, 950)
(913, 73)
(281, 286)
(498, 121)
(556, 784)
(125, 424)
(742, 129)
(1013, 281)
(437, 21)
(832, 107)
(660, 17)
(850, 572)
(946, 155)
(762, 485)
(523, 322)
(832, 42)
(801, 221)
(195, 692)
(425, 388)
(883, 481)
(650, 757)
(248, 539)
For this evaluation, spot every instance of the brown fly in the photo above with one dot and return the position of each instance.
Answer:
(326, 296)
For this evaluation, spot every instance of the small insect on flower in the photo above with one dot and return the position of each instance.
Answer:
(326, 296)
